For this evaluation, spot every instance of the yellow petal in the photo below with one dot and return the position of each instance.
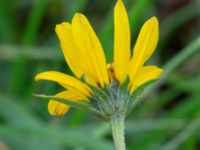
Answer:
(146, 74)
(72, 53)
(121, 41)
(90, 47)
(144, 47)
(56, 108)
(66, 81)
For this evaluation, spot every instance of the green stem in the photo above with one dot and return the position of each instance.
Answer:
(117, 125)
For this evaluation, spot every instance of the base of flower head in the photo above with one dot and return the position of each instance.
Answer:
(115, 98)
(106, 102)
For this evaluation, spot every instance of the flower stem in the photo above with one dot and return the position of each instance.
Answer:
(117, 125)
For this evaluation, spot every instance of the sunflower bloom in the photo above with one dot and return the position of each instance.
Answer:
(85, 56)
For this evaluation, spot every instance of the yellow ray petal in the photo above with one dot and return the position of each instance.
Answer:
(75, 60)
(145, 74)
(121, 41)
(56, 108)
(72, 54)
(69, 48)
(144, 47)
(66, 81)
(91, 48)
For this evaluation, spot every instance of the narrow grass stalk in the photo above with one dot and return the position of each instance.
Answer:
(189, 51)
(179, 18)
(29, 36)
(190, 130)
(117, 125)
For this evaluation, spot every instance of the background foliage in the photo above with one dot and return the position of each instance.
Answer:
(167, 116)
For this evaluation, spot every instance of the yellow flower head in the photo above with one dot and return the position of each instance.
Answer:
(85, 56)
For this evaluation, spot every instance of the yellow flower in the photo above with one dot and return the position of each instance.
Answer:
(85, 56)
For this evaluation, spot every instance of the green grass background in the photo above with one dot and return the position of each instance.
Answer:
(167, 117)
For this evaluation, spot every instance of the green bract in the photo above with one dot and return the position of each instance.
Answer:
(104, 103)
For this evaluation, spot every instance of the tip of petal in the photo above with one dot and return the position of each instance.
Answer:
(78, 15)
(161, 71)
(153, 20)
(57, 28)
(77, 18)
(37, 77)
(120, 3)
(63, 25)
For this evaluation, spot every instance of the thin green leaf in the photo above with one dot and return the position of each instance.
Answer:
(77, 104)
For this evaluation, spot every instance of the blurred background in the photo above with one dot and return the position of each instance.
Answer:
(168, 115)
